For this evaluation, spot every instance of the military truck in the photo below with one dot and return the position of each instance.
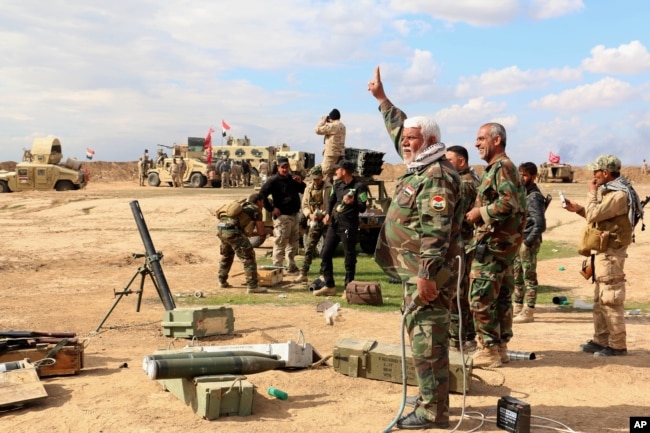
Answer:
(552, 172)
(197, 173)
(41, 169)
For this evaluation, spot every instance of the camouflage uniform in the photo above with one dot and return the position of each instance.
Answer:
(235, 241)
(182, 168)
(502, 201)
(314, 199)
(236, 174)
(419, 238)
(469, 185)
(610, 214)
(143, 166)
(334, 132)
(525, 264)
(173, 172)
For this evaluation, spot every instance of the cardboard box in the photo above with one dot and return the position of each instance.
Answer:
(213, 396)
(268, 277)
(69, 359)
(198, 322)
(372, 360)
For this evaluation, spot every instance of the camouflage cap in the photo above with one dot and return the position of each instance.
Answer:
(606, 162)
(317, 172)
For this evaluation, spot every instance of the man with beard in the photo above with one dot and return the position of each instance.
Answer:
(525, 267)
(614, 213)
(419, 243)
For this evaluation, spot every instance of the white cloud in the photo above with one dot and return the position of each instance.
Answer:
(474, 12)
(510, 80)
(545, 9)
(606, 93)
(468, 117)
(632, 58)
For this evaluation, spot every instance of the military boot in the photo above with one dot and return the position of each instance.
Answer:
(224, 285)
(516, 309)
(256, 290)
(325, 291)
(503, 353)
(525, 316)
(487, 357)
(302, 277)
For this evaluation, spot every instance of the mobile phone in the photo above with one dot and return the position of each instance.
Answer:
(562, 199)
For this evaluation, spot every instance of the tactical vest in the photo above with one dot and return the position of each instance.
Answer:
(240, 213)
(316, 199)
(620, 231)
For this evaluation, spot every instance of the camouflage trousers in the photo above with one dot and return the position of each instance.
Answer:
(525, 274)
(234, 241)
(287, 233)
(492, 284)
(428, 330)
(464, 316)
(314, 235)
(609, 297)
(225, 179)
(329, 161)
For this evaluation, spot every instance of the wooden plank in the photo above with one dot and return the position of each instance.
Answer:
(20, 386)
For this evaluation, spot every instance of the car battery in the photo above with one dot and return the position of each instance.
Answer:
(513, 415)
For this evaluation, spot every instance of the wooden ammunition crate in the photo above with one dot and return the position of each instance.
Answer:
(269, 278)
(372, 360)
(198, 322)
(213, 396)
(69, 359)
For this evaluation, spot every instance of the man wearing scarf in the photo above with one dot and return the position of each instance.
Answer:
(617, 212)
(420, 242)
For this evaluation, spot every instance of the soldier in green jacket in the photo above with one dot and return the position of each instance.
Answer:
(419, 242)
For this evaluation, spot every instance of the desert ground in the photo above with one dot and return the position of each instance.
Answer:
(64, 253)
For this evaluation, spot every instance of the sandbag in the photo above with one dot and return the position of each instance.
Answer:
(363, 293)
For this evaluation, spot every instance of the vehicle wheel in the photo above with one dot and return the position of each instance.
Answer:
(4, 187)
(153, 179)
(197, 180)
(64, 185)
(368, 240)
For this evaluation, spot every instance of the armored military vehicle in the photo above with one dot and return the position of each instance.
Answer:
(549, 172)
(197, 173)
(41, 169)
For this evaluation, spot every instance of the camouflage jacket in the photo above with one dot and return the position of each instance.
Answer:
(421, 233)
(469, 185)
(501, 199)
(315, 198)
(334, 132)
(610, 214)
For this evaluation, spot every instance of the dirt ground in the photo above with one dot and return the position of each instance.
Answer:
(64, 253)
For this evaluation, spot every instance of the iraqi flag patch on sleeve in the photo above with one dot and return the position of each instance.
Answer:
(438, 203)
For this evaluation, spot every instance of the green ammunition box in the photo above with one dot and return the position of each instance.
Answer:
(198, 322)
(213, 396)
(372, 360)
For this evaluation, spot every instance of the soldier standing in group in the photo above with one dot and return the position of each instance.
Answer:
(285, 189)
(334, 131)
(237, 222)
(143, 167)
(173, 172)
(224, 172)
(459, 158)
(314, 203)
(160, 159)
(644, 168)
(419, 243)
(182, 169)
(616, 212)
(246, 171)
(236, 174)
(499, 215)
(348, 199)
(525, 266)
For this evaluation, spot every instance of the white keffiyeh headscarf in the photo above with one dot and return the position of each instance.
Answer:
(427, 156)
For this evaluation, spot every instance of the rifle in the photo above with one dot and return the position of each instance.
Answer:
(164, 145)
(27, 334)
(645, 201)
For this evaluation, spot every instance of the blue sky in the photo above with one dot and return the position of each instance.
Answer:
(565, 76)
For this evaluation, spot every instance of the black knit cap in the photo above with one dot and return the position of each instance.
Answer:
(335, 114)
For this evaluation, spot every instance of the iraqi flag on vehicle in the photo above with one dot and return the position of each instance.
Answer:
(89, 153)
(553, 158)
(224, 127)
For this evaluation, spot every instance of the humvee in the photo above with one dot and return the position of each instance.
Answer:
(197, 172)
(551, 171)
(41, 169)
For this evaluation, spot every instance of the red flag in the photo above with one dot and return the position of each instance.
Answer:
(208, 145)
(89, 153)
(224, 127)
(553, 158)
